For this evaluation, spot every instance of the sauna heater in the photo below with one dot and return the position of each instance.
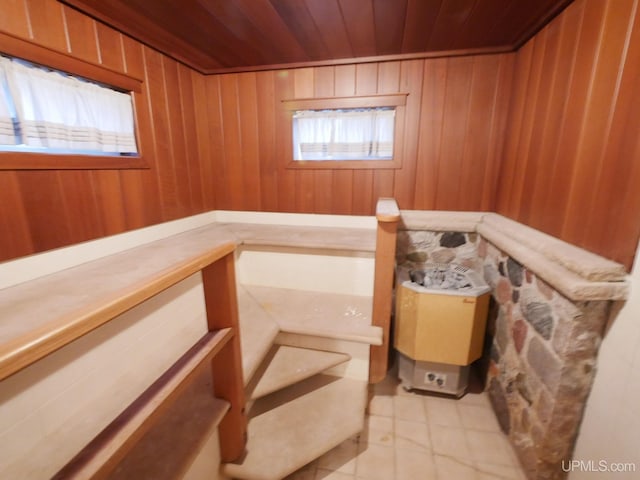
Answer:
(441, 314)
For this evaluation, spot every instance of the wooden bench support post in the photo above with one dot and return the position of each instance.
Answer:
(222, 312)
(388, 216)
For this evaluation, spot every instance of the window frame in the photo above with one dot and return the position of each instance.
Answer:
(397, 100)
(31, 52)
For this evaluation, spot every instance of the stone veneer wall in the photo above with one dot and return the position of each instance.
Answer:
(542, 346)
(542, 362)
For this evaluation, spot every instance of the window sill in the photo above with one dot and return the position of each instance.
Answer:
(343, 164)
(46, 161)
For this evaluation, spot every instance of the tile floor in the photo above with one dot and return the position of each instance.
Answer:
(418, 436)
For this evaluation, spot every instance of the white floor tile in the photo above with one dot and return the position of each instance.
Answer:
(442, 411)
(491, 448)
(412, 464)
(411, 435)
(451, 468)
(375, 462)
(450, 442)
(477, 417)
(409, 408)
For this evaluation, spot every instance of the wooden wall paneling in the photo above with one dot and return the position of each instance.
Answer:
(140, 189)
(157, 104)
(430, 134)
(201, 130)
(103, 187)
(620, 234)
(16, 238)
(475, 155)
(558, 66)
(574, 118)
(249, 137)
(268, 116)
(405, 178)
(603, 95)
(14, 18)
(617, 192)
(547, 216)
(324, 86)
(44, 208)
(81, 35)
(527, 171)
(215, 141)
(366, 82)
(517, 108)
(457, 94)
(190, 120)
(305, 179)
(342, 181)
(83, 196)
(229, 99)
(47, 23)
(501, 98)
(284, 88)
(176, 126)
(389, 82)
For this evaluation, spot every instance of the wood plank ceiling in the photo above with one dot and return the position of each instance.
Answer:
(215, 36)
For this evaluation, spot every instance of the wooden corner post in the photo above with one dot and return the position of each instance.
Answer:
(222, 312)
(388, 216)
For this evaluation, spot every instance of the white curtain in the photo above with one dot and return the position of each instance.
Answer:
(7, 129)
(356, 134)
(58, 111)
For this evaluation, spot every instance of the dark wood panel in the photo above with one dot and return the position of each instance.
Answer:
(241, 35)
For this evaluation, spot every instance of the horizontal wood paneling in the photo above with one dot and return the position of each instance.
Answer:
(453, 124)
(572, 153)
(46, 209)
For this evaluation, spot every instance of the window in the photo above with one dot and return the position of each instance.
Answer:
(45, 110)
(358, 132)
(344, 134)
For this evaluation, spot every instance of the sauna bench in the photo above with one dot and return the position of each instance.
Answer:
(42, 315)
(328, 238)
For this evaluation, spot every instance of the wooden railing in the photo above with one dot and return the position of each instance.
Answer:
(43, 315)
(388, 216)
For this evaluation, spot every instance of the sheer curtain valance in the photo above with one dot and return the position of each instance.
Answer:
(343, 134)
(49, 110)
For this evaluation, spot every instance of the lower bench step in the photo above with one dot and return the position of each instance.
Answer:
(287, 365)
(294, 426)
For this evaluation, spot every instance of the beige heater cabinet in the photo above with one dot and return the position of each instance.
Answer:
(441, 315)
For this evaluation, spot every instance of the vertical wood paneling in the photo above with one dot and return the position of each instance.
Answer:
(363, 202)
(323, 86)
(140, 191)
(248, 111)
(569, 167)
(287, 179)
(430, 134)
(43, 209)
(454, 120)
(305, 179)
(267, 155)
(342, 184)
